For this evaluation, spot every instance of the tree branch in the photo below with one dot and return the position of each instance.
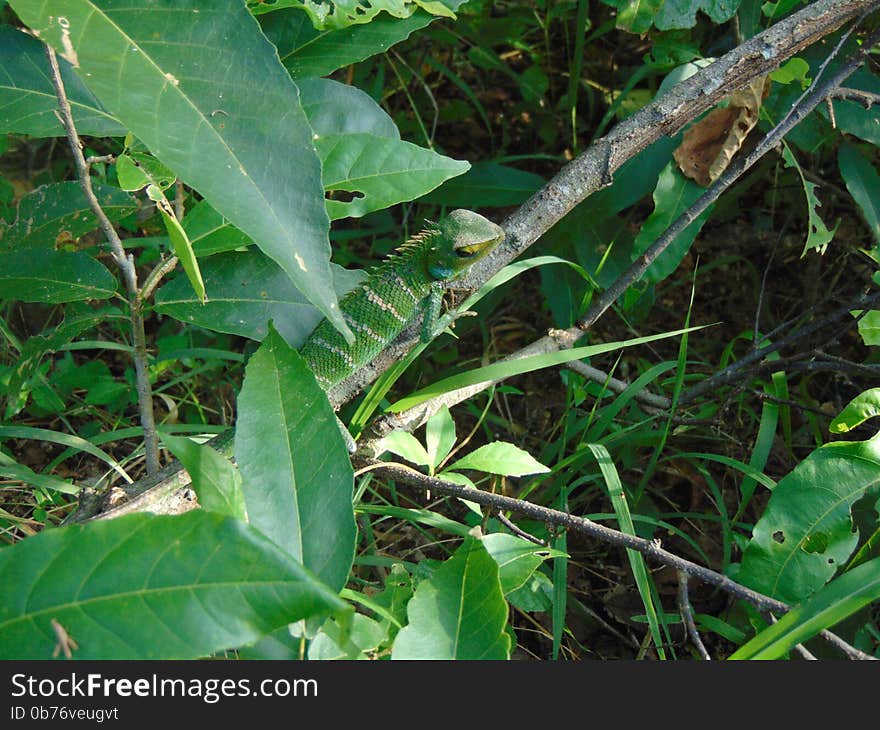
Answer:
(125, 264)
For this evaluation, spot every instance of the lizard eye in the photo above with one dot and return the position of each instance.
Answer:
(466, 252)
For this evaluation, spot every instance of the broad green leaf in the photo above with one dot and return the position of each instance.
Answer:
(151, 587)
(297, 476)
(53, 276)
(635, 16)
(58, 213)
(673, 195)
(864, 406)
(863, 183)
(336, 14)
(210, 232)
(307, 52)
(245, 290)
(201, 87)
(818, 235)
(517, 559)
(490, 183)
(795, 69)
(366, 635)
(394, 598)
(682, 14)
(508, 368)
(869, 327)
(28, 104)
(215, 479)
(535, 595)
(136, 170)
(500, 457)
(334, 108)
(439, 436)
(831, 604)
(806, 531)
(407, 446)
(380, 172)
(459, 612)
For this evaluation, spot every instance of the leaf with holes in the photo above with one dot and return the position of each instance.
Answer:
(58, 214)
(806, 531)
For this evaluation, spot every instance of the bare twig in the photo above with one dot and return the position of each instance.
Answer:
(649, 548)
(126, 267)
(687, 616)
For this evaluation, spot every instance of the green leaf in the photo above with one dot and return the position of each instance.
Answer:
(407, 446)
(439, 436)
(494, 185)
(216, 481)
(47, 342)
(673, 195)
(508, 368)
(307, 52)
(53, 277)
(28, 104)
(379, 171)
(869, 327)
(517, 559)
(65, 439)
(459, 612)
(864, 406)
(27, 475)
(215, 87)
(830, 605)
(335, 108)
(151, 587)
(210, 232)
(806, 531)
(179, 240)
(500, 457)
(57, 213)
(863, 183)
(298, 480)
(336, 14)
(136, 170)
(795, 69)
(366, 635)
(818, 235)
(245, 290)
(624, 520)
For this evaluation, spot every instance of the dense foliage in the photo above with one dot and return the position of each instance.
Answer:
(248, 161)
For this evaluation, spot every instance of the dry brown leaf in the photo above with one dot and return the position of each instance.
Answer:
(709, 145)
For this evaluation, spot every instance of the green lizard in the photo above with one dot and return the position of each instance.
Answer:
(409, 283)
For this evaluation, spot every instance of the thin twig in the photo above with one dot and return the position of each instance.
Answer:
(687, 615)
(649, 548)
(126, 267)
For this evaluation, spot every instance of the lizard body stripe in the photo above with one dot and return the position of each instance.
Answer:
(385, 306)
(347, 358)
(361, 327)
(402, 284)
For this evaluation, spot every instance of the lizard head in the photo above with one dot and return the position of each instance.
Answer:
(462, 238)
